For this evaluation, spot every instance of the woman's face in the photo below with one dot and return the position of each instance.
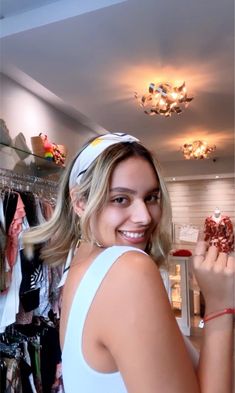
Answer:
(132, 211)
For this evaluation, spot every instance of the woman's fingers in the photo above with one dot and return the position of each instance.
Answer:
(200, 248)
(215, 274)
(199, 253)
(212, 254)
(231, 263)
(205, 257)
(221, 261)
(212, 258)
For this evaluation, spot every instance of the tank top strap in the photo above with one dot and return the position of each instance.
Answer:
(66, 267)
(87, 289)
(95, 275)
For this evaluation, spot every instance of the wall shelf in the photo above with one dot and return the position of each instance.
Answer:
(26, 163)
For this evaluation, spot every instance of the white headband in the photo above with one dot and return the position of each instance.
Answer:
(92, 151)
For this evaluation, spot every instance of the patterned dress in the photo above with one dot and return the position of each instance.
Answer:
(220, 233)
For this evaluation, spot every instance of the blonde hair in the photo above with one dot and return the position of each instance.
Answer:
(64, 228)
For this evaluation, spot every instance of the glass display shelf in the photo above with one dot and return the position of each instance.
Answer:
(180, 291)
(26, 163)
(176, 288)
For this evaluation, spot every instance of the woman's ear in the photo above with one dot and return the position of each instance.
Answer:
(78, 204)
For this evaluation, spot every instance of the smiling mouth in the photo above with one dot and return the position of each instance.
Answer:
(133, 235)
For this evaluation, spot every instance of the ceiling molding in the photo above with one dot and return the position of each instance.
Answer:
(40, 91)
(49, 13)
(200, 177)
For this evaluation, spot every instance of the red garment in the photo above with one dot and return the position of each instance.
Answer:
(220, 233)
(182, 253)
(14, 231)
(48, 210)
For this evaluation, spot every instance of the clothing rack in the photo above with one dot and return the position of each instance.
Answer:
(33, 348)
(25, 182)
(31, 342)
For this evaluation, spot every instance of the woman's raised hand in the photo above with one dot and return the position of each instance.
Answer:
(215, 274)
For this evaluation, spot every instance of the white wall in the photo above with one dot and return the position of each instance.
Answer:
(215, 166)
(25, 112)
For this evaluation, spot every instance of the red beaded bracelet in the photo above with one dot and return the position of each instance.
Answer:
(216, 314)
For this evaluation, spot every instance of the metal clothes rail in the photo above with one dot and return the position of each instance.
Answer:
(24, 182)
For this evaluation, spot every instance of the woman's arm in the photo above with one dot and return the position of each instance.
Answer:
(215, 275)
(140, 330)
(215, 365)
(141, 333)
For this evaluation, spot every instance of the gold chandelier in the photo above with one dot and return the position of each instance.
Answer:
(197, 150)
(164, 99)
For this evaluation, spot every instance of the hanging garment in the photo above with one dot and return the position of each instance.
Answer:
(23, 317)
(31, 278)
(3, 242)
(50, 354)
(13, 232)
(44, 301)
(9, 300)
(220, 233)
(47, 210)
(39, 212)
(2, 216)
(28, 361)
(30, 207)
(3, 374)
(55, 290)
(44, 351)
(13, 380)
(9, 207)
(57, 386)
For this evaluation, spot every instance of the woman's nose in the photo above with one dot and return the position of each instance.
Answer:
(140, 213)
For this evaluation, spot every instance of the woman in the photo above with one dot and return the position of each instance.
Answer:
(118, 333)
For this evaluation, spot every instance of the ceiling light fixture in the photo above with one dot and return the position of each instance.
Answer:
(164, 99)
(197, 150)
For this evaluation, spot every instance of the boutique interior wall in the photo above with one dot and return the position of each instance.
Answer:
(29, 114)
(194, 200)
(23, 111)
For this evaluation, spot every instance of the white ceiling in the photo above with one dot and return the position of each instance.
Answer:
(93, 55)
(11, 8)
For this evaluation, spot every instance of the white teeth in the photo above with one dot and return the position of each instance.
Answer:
(133, 235)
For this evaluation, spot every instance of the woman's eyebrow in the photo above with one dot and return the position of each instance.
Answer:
(130, 191)
(122, 189)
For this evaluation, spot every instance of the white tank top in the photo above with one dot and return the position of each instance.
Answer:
(78, 376)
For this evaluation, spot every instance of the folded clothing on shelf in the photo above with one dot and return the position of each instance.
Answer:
(181, 253)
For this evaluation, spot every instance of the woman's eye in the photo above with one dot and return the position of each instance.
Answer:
(119, 200)
(152, 198)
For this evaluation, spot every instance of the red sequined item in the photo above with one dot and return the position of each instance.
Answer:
(182, 253)
(220, 233)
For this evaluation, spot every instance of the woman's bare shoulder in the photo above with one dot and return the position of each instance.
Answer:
(134, 274)
(134, 267)
(135, 259)
(139, 329)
